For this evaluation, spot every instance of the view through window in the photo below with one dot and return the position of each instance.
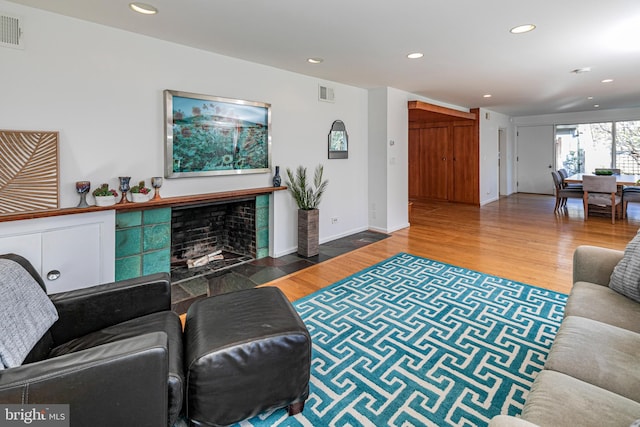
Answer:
(588, 146)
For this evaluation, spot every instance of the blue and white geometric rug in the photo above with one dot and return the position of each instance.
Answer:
(411, 341)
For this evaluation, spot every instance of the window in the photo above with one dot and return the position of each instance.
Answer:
(588, 146)
(628, 146)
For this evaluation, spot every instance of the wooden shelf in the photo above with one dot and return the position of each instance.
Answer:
(152, 204)
(428, 113)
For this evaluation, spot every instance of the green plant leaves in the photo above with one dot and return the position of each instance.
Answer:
(307, 197)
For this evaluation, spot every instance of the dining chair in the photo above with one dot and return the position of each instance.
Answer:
(562, 193)
(601, 191)
(564, 174)
(629, 194)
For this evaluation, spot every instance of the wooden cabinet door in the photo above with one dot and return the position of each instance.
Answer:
(435, 157)
(429, 160)
(415, 176)
(465, 165)
(444, 160)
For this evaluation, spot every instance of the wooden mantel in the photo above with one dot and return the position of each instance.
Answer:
(424, 112)
(163, 202)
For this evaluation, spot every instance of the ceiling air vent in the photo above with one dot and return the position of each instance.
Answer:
(10, 32)
(326, 94)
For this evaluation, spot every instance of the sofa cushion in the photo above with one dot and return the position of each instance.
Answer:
(557, 399)
(601, 303)
(625, 278)
(164, 321)
(595, 264)
(599, 354)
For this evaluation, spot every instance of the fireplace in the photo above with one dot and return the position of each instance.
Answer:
(211, 237)
(144, 233)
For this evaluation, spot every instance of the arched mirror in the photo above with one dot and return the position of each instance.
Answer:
(338, 141)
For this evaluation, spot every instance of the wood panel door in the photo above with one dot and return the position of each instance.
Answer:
(444, 153)
(415, 165)
(464, 170)
(437, 158)
(429, 157)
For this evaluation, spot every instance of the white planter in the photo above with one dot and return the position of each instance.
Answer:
(139, 197)
(105, 200)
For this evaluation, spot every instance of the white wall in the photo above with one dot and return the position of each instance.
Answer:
(101, 88)
(490, 123)
(388, 158)
(397, 151)
(378, 159)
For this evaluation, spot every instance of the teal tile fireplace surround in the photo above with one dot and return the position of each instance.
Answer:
(143, 239)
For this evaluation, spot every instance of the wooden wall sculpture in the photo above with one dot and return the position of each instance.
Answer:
(28, 171)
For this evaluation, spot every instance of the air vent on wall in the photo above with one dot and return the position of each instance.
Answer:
(325, 94)
(10, 32)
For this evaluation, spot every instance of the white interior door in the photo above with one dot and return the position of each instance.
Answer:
(535, 159)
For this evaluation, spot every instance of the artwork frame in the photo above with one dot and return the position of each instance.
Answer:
(215, 136)
(30, 171)
(338, 143)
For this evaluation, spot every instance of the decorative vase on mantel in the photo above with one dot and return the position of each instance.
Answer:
(124, 187)
(82, 188)
(308, 232)
(277, 180)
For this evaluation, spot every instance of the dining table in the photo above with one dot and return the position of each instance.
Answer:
(621, 179)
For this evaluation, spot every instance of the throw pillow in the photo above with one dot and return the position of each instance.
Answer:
(26, 313)
(625, 278)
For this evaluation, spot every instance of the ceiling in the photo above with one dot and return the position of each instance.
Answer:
(468, 49)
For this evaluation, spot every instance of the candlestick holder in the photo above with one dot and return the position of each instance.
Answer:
(156, 183)
(124, 187)
(82, 188)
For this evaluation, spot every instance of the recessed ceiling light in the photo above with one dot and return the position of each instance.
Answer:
(596, 106)
(589, 98)
(607, 80)
(314, 60)
(487, 95)
(415, 55)
(143, 8)
(522, 29)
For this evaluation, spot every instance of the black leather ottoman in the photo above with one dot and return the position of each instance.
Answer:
(246, 352)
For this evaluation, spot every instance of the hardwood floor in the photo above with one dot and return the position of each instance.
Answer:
(518, 237)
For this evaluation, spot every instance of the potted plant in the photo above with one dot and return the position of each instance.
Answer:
(307, 198)
(105, 196)
(140, 193)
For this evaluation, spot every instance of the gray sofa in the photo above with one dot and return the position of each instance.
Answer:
(592, 373)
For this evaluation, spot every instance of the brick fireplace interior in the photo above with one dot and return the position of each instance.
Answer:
(201, 230)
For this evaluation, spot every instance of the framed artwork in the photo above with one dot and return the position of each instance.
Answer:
(210, 135)
(338, 141)
(29, 173)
